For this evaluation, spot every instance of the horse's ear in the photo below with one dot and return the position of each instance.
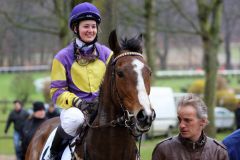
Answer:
(140, 37)
(113, 42)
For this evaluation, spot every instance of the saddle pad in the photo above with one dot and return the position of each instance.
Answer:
(46, 150)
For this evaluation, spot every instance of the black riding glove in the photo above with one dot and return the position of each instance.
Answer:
(80, 104)
(89, 108)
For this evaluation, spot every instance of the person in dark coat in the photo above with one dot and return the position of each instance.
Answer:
(237, 116)
(32, 124)
(232, 142)
(191, 143)
(18, 117)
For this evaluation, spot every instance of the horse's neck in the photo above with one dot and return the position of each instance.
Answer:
(108, 108)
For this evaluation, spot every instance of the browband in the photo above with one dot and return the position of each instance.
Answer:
(126, 54)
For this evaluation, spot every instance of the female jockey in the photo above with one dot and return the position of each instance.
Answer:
(77, 72)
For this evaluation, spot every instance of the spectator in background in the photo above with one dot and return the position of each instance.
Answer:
(237, 116)
(191, 143)
(31, 125)
(18, 116)
(232, 142)
(52, 111)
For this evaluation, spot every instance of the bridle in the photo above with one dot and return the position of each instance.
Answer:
(127, 118)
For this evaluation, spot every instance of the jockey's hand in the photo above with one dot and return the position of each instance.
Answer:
(93, 105)
(84, 105)
(94, 102)
(80, 103)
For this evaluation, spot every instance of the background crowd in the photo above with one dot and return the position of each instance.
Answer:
(26, 123)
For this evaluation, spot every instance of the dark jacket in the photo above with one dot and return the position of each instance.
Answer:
(232, 142)
(18, 119)
(237, 115)
(53, 114)
(30, 127)
(178, 148)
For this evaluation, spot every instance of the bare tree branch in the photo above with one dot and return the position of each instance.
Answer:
(27, 27)
(176, 31)
(187, 18)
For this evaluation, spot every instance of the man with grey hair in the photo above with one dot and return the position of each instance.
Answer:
(191, 143)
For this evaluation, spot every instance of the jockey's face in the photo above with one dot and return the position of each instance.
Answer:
(87, 30)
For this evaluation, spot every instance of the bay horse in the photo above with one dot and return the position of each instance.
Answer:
(124, 112)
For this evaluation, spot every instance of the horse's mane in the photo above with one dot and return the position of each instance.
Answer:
(133, 45)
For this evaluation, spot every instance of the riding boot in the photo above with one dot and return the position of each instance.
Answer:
(59, 143)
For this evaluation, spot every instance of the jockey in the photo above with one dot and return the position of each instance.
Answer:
(77, 72)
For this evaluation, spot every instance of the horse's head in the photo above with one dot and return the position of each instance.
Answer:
(131, 82)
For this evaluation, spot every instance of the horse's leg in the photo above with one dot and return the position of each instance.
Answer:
(37, 143)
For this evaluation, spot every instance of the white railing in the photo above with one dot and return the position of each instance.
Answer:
(24, 68)
(192, 73)
(168, 73)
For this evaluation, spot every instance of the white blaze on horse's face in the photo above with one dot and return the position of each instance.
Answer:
(142, 93)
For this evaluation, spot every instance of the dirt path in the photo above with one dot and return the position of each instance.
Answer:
(4, 157)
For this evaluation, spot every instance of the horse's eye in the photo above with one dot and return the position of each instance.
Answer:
(120, 74)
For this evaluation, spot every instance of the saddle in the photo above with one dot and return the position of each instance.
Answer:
(69, 146)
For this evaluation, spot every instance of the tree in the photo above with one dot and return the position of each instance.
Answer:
(150, 32)
(230, 18)
(209, 14)
(42, 17)
(22, 87)
(109, 18)
(58, 11)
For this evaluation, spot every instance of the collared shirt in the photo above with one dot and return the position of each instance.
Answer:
(70, 80)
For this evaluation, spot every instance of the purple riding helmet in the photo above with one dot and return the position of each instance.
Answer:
(84, 11)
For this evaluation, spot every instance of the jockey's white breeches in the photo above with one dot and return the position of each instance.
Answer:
(71, 119)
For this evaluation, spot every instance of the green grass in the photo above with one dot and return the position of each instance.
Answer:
(6, 83)
(176, 85)
(179, 84)
(6, 142)
(148, 146)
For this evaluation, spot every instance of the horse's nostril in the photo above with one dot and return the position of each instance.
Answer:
(153, 115)
(141, 116)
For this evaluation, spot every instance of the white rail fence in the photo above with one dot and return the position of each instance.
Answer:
(167, 73)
